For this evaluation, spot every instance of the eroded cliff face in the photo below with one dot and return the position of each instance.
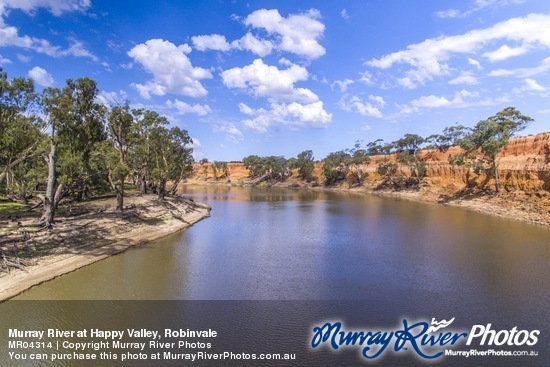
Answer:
(524, 165)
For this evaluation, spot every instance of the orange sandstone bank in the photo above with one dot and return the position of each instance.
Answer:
(90, 233)
(524, 175)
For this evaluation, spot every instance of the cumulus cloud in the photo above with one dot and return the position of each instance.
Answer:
(185, 108)
(171, 68)
(255, 45)
(364, 108)
(293, 115)
(211, 42)
(297, 33)
(268, 81)
(41, 76)
(10, 37)
(429, 58)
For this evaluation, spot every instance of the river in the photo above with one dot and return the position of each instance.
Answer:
(391, 258)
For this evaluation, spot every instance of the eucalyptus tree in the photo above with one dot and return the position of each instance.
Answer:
(304, 163)
(20, 128)
(122, 137)
(357, 158)
(450, 137)
(487, 138)
(220, 170)
(142, 154)
(335, 167)
(255, 166)
(408, 152)
(171, 157)
(76, 124)
(204, 165)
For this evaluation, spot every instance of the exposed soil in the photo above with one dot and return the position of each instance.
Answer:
(86, 233)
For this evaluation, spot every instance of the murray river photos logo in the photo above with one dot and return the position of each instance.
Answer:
(423, 339)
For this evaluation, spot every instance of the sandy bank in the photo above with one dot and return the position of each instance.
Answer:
(89, 233)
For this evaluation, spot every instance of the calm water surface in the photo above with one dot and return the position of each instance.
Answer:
(396, 258)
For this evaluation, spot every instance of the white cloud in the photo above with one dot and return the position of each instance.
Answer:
(268, 81)
(41, 76)
(477, 6)
(449, 13)
(185, 108)
(504, 52)
(257, 46)
(9, 35)
(366, 78)
(532, 85)
(56, 7)
(211, 42)
(342, 84)
(344, 14)
(111, 98)
(461, 99)
(23, 58)
(355, 104)
(171, 68)
(4, 61)
(464, 78)
(234, 135)
(293, 115)
(429, 58)
(474, 63)
(523, 72)
(298, 33)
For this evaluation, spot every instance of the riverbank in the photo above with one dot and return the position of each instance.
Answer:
(516, 205)
(87, 233)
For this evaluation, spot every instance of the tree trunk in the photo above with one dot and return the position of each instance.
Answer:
(49, 200)
(119, 201)
(162, 189)
(495, 173)
(120, 197)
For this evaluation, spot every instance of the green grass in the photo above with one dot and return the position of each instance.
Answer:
(10, 207)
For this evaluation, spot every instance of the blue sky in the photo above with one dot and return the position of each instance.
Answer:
(279, 77)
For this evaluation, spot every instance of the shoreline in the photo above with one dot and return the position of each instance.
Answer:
(146, 220)
(516, 206)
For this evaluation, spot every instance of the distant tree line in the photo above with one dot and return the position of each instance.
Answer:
(62, 143)
(480, 146)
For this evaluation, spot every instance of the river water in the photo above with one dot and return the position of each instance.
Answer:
(390, 258)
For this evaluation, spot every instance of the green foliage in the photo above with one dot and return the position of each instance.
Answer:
(274, 167)
(487, 139)
(408, 153)
(451, 136)
(255, 165)
(220, 170)
(20, 133)
(335, 167)
(304, 163)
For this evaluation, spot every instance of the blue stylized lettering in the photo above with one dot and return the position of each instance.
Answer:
(405, 335)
